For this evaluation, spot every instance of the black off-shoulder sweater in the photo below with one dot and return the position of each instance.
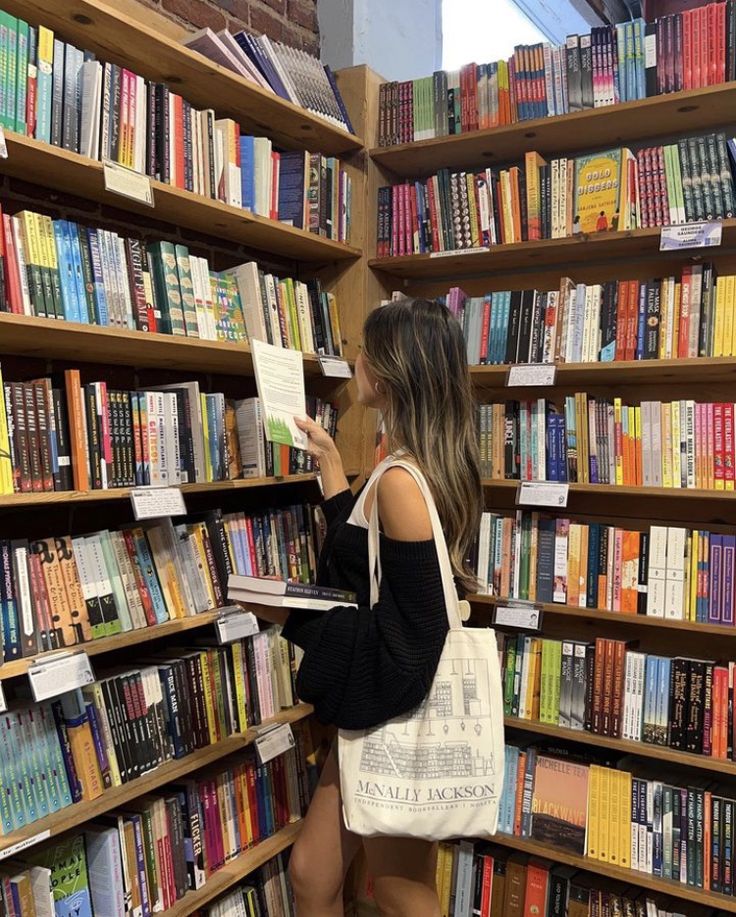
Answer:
(363, 666)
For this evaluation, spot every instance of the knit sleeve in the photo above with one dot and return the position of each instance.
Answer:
(336, 505)
(363, 666)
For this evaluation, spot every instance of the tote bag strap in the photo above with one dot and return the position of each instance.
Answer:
(452, 602)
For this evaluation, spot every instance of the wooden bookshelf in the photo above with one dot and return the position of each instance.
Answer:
(63, 170)
(564, 254)
(625, 746)
(644, 119)
(29, 336)
(615, 617)
(236, 870)
(622, 372)
(142, 635)
(133, 42)
(628, 876)
(688, 495)
(123, 493)
(78, 813)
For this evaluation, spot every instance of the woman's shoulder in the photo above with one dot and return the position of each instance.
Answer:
(402, 506)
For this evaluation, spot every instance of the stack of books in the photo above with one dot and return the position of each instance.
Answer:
(291, 73)
(91, 437)
(460, 211)
(57, 93)
(678, 444)
(667, 572)
(66, 590)
(610, 65)
(165, 844)
(673, 317)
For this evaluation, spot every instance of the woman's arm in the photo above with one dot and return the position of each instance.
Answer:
(321, 446)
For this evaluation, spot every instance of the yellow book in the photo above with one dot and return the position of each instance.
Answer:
(6, 467)
(676, 321)
(472, 207)
(447, 879)
(249, 836)
(597, 189)
(440, 869)
(617, 407)
(686, 587)
(583, 567)
(637, 444)
(664, 317)
(533, 548)
(614, 790)
(196, 533)
(240, 693)
(604, 828)
(676, 453)
(334, 313)
(693, 584)
(209, 701)
(624, 818)
(728, 321)
(720, 318)
(509, 235)
(594, 812)
(666, 421)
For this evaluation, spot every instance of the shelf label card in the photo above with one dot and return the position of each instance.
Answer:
(542, 493)
(460, 251)
(691, 235)
(127, 183)
(3, 144)
(59, 674)
(235, 624)
(155, 502)
(335, 367)
(523, 616)
(15, 849)
(531, 374)
(274, 741)
(3, 702)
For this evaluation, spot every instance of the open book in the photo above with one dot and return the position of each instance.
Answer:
(286, 595)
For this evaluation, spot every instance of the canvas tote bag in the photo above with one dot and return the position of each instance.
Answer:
(436, 772)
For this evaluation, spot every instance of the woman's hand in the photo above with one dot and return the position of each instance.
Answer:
(321, 446)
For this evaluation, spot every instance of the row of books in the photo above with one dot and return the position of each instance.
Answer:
(145, 858)
(57, 93)
(91, 437)
(665, 572)
(624, 815)
(678, 444)
(266, 893)
(132, 721)
(612, 64)
(611, 190)
(610, 689)
(66, 590)
(291, 73)
(67, 271)
(664, 318)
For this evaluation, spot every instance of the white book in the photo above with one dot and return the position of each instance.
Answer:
(272, 307)
(675, 574)
(304, 312)
(87, 579)
(123, 285)
(195, 574)
(657, 442)
(105, 870)
(657, 571)
(20, 254)
(194, 402)
(89, 136)
(115, 578)
(484, 549)
(127, 575)
(141, 121)
(646, 443)
(100, 408)
(696, 292)
(262, 168)
(248, 281)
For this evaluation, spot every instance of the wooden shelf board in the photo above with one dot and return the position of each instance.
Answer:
(123, 493)
(119, 641)
(668, 493)
(63, 170)
(628, 620)
(98, 26)
(235, 870)
(623, 372)
(659, 116)
(30, 336)
(628, 876)
(573, 250)
(78, 813)
(626, 746)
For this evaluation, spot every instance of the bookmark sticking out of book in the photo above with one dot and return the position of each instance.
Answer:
(280, 594)
(280, 383)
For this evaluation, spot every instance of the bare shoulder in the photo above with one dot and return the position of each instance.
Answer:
(401, 506)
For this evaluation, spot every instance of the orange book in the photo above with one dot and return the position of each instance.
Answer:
(79, 733)
(75, 596)
(573, 564)
(77, 435)
(630, 572)
(707, 806)
(537, 888)
(515, 203)
(67, 634)
(583, 566)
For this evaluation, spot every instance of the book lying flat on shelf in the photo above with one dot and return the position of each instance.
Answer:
(287, 595)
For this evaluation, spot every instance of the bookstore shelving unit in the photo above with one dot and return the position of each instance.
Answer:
(591, 259)
(137, 37)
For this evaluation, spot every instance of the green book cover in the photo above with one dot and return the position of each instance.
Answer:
(166, 287)
(69, 880)
(11, 73)
(556, 682)
(545, 698)
(186, 290)
(21, 77)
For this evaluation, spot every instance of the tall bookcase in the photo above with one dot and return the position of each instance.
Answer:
(62, 183)
(588, 259)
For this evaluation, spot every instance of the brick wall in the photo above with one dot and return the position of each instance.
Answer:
(290, 21)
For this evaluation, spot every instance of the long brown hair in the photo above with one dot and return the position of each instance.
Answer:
(416, 351)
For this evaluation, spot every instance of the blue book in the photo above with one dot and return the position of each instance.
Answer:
(248, 172)
(664, 671)
(594, 544)
(76, 254)
(12, 647)
(338, 99)
(66, 271)
(252, 47)
(651, 677)
(148, 570)
(292, 177)
(101, 309)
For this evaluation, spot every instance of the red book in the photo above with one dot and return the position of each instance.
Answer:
(598, 669)
(633, 319)
(485, 327)
(686, 289)
(433, 218)
(537, 888)
(718, 446)
(78, 442)
(414, 221)
(31, 99)
(394, 220)
(622, 305)
(687, 49)
(696, 43)
(275, 177)
(487, 885)
(728, 446)
(13, 292)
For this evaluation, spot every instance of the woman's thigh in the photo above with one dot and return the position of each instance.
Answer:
(401, 857)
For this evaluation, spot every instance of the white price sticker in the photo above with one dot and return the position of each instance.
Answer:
(127, 183)
(335, 367)
(155, 502)
(3, 144)
(15, 849)
(522, 616)
(691, 235)
(59, 674)
(461, 251)
(274, 741)
(542, 493)
(236, 625)
(531, 374)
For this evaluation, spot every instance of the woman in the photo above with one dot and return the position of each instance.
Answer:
(364, 666)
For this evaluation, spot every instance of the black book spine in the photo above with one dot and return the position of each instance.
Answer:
(512, 336)
(152, 132)
(643, 573)
(696, 698)
(63, 477)
(117, 718)
(678, 702)
(87, 274)
(253, 681)
(188, 166)
(116, 79)
(200, 729)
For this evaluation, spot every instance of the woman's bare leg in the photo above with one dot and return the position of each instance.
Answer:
(404, 876)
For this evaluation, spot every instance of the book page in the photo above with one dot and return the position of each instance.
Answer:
(280, 383)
